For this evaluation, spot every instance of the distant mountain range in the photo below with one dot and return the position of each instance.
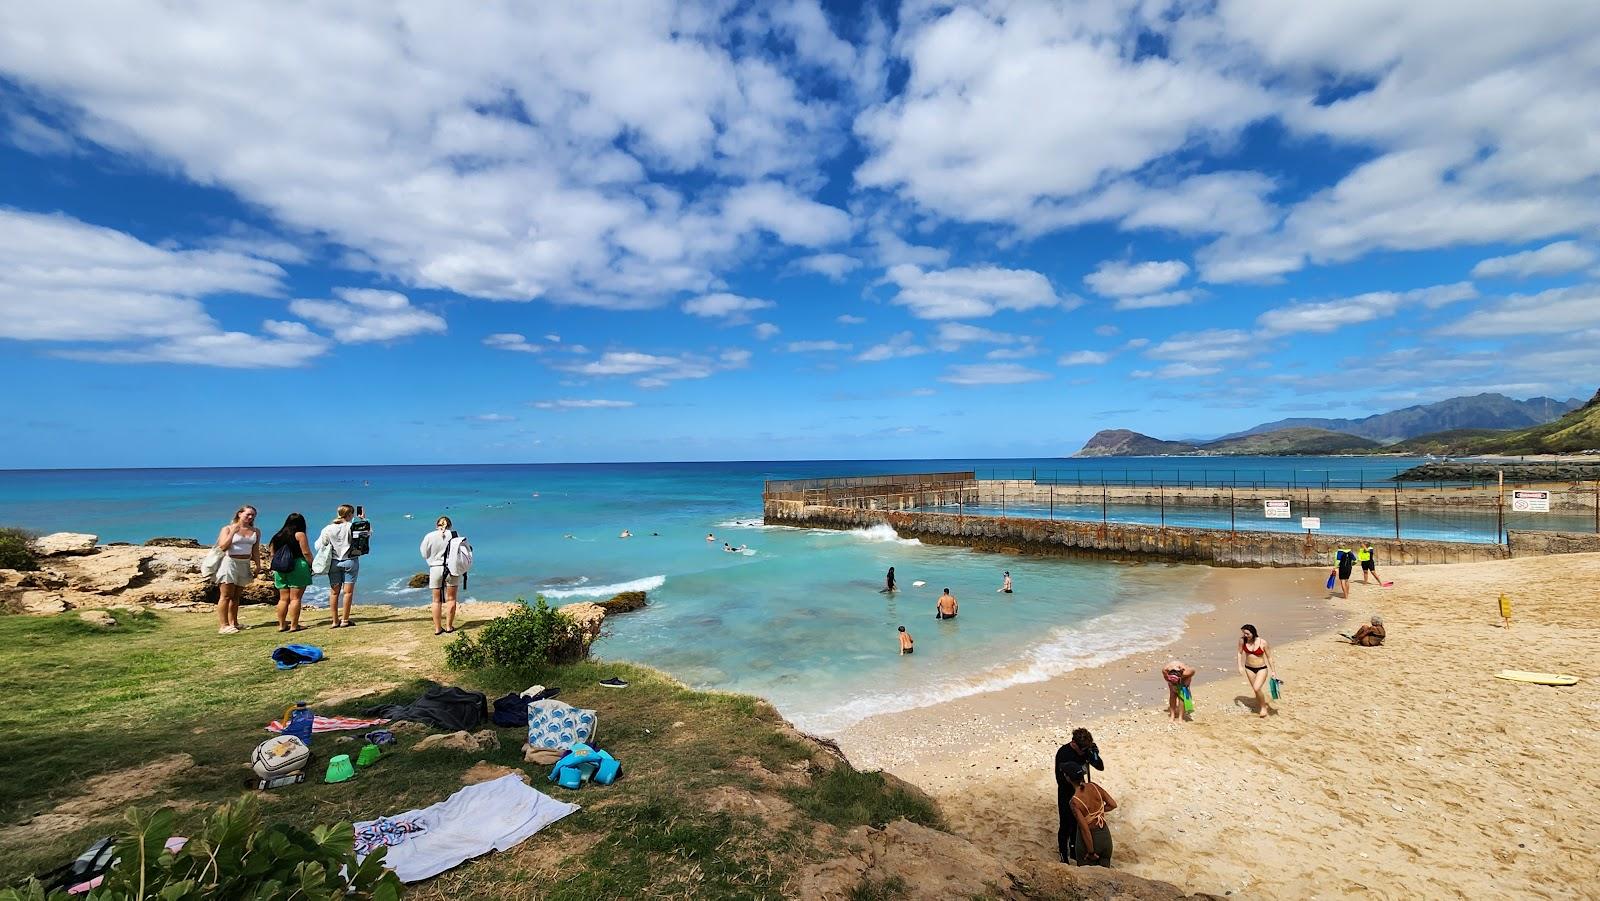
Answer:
(1483, 423)
(1480, 411)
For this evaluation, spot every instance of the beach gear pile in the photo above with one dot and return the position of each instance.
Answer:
(585, 764)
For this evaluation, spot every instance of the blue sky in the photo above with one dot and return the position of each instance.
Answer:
(316, 233)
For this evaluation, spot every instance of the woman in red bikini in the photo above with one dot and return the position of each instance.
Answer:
(1255, 665)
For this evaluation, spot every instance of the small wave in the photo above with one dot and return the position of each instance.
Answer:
(753, 522)
(400, 587)
(648, 583)
(1098, 641)
(884, 533)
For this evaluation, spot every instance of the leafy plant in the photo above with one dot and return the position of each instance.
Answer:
(16, 550)
(234, 856)
(528, 635)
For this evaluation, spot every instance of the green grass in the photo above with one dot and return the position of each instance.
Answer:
(84, 701)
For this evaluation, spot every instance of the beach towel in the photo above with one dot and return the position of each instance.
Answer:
(321, 723)
(446, 707)
(386, 832)
(490, 816)
(558, 725)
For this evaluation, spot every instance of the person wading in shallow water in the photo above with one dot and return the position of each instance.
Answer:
(889, 586)
(947, 606)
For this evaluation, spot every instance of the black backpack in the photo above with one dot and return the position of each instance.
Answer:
(360, 538)
(284, 557)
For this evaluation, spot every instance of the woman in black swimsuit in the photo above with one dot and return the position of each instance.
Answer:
(1255, 664)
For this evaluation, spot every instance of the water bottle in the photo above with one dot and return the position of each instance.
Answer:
(299, 722)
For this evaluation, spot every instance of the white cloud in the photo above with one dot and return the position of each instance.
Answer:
(951, 335)
(512, 341)
(847, 319)
(575, 404)
(967, 293)
(1014, 111)
(713, 306)
(1559, 311)
(1156, 301)
(800, 347)
(286, 345)
(531, 154)
(1177, 371)
(1107, 331)
(490, 418)
(1332, 315)
(1020, 352)
(1117, 279)
(656, 370)
(1204, 347)
(833, 265)
(1084, 358)
(902, 344)
(992, 374)
(365, 314)
(765, 330)
(1551, 259)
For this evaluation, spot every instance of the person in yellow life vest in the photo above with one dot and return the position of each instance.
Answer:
(1368, 564)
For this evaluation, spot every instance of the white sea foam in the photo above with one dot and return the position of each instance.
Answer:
(1096, 642)
(881, 532)
(648, 583)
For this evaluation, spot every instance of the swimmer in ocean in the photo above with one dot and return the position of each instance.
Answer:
(947, 607)
(1005, 586)
(710, 537)
(888, 583)
(906, 642)
(625, 534)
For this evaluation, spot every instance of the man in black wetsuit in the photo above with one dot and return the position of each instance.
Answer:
(1077, 755)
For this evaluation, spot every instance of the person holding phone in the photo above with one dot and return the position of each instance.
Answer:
(347, 545)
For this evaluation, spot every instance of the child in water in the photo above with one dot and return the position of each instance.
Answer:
(906, 642)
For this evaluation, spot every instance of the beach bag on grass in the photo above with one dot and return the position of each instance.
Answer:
(558, 725)
(290, 656)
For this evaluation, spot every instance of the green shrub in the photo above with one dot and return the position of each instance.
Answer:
(16, 550)
(234, 856)
(529, 635)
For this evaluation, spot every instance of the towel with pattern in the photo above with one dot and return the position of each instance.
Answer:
(320, 723)
(385, 832)
(558, 725)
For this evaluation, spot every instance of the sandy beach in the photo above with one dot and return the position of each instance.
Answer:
(1396, 772)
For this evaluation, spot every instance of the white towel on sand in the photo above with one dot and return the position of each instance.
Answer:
(489, 816)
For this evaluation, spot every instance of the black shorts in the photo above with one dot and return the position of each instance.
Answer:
(1344, 573)
(1370, 566)
(944, 616)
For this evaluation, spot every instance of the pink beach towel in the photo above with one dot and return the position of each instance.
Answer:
(321, 723)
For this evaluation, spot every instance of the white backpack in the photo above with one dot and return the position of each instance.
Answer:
(457, 555)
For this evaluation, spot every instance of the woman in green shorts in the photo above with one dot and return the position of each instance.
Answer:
(289, 547)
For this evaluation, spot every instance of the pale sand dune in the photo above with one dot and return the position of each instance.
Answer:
(1373, 777)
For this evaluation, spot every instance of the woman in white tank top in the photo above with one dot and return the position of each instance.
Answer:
(242, 540)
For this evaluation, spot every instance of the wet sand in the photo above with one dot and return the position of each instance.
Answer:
(1397, 772)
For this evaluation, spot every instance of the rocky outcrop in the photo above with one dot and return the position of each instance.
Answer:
(164, 575)
(591, 616)
(420, 580)
(1128, 443)
(62, 544)
(626, 602)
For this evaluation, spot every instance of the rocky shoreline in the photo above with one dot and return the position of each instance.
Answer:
(1465, 470)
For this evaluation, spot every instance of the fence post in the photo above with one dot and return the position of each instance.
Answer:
(1164, 507)
(1396, 511)
(1597, 506)
(1102, 503)
(1002, 500)
(1230, 511)
(1052, 501)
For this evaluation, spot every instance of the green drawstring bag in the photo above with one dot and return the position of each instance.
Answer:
(1273, 684)
(1188, 699)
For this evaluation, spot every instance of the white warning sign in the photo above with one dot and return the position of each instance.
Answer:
(1277, 509)
(1530, 501)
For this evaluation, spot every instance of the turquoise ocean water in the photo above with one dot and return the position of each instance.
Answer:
(797, 618)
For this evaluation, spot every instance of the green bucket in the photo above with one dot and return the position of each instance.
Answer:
(339, 769)
(369, 755)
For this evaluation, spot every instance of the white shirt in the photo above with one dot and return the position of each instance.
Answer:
(337, 536)
(434, 544)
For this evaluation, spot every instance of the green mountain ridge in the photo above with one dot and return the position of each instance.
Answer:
(1283, 442)
(1478, 411)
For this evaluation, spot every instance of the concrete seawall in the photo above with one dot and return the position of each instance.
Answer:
(994, 492)
(1121, 540)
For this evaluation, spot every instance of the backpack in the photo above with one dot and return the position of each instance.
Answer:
(360, 539)
(284, 557)
(457, 555)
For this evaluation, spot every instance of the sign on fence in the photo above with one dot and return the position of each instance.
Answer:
(1277, 509)
(1530, 501)
(1310, 522)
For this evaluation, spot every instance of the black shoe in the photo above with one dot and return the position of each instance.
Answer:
(614, 682)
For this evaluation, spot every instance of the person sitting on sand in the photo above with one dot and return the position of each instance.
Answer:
(1177, 675)
(906, 642)
(1371, 635)
(946, 607)
(1089, 804)
(1005, 584)
(1255, 664)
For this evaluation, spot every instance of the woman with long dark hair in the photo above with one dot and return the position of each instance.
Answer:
(291, 570)
(1255, 665)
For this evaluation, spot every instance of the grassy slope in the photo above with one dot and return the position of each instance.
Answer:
(82, 701)
(1292, 441)
(1576, 431)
